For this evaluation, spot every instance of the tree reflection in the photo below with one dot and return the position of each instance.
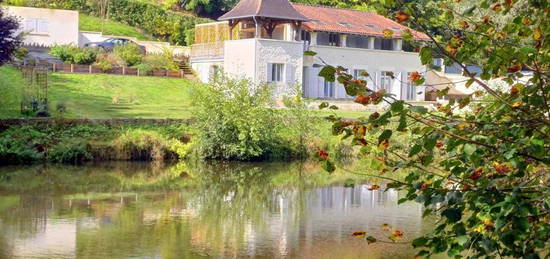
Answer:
(194, 210)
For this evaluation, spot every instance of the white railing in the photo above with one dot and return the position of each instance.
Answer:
(207, 50)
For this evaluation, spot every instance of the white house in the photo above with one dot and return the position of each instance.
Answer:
(265, 40)
(47, 27)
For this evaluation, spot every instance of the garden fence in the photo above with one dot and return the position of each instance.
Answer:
(91, 69)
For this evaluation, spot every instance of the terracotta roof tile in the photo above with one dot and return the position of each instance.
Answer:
(350, 21)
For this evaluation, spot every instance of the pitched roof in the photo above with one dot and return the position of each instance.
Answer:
(279, 9)
(350, 21)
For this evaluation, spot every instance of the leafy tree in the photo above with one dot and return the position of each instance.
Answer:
(10, 38)
(233, 120)
(208, 8)
(482, 168)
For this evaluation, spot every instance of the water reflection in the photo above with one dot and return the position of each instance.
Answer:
(231, 210)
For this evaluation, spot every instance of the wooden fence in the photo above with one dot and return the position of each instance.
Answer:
(91, 69)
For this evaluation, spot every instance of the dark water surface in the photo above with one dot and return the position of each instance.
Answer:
(221, 211)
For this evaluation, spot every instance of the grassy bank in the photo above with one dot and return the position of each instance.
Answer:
(70, 143)
(67, 141)
(102, 96)
(92, 23)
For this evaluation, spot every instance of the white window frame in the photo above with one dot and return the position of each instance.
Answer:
(386, 81)
(277, 73)
(36, 26)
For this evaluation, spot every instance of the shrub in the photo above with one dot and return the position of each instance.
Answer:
(63, 52)
(182, 150)
(74, 55)
(85, 56)
(69, 152)
(106, 61)
(21, 53)
(14, 150)
(165, 60)
(130, 53)
(143, 145)
(234, 120)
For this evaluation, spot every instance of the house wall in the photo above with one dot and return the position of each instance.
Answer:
(373, 61)
(249, 58)
(289, 53)
(240, 58)
(204, 68)
(47, 27)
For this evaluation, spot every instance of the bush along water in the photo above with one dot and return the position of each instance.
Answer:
(235, 120)
(64, 143)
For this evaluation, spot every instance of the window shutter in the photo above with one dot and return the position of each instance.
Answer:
(30, 25)
(289, 74)
(269, 72)
(396, 86)
(42, 26)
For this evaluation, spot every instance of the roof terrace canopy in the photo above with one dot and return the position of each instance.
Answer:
(277, 9)
(264, 13)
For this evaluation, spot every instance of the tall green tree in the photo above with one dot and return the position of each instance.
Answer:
(480, 168)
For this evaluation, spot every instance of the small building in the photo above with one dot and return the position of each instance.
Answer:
(265, 40)
(47, 27)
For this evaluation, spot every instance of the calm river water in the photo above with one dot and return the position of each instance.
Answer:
(137, 210)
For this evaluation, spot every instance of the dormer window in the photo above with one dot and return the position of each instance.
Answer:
(370, 26)
(396, 29)
(344, 24)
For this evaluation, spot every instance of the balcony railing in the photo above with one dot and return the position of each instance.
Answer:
(207, 50)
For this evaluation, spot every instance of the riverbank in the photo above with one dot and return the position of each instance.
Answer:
(75, 141)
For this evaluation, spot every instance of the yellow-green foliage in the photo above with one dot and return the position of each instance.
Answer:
(143, 145)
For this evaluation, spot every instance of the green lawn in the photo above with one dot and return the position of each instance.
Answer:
(92, 23)
(112, 96)
(10, 92)
(104, 96)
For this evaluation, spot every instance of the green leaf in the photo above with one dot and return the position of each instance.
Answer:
(415, 150)
(328, 166)
(397, 106)
(323, 105)
(452, 214)
(521, 223)
(402, 122)
(420, 81)
(327, 72)
(419, 109)
(426, 55)
(386, 134)
(310, 53)
(421, 241)
(461, 240)
(333, 107)
(429, 143)
(394, 185)
(469, 149)
(469, 11)
(370, 239)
